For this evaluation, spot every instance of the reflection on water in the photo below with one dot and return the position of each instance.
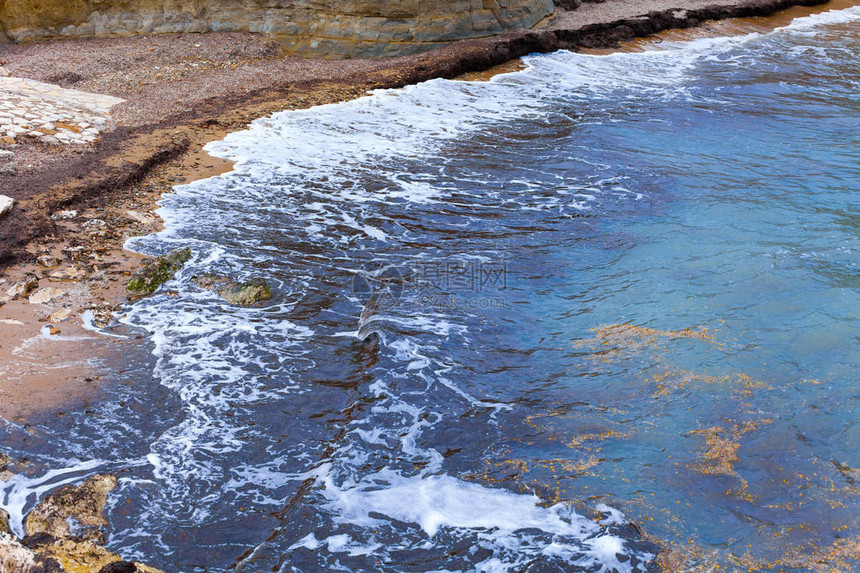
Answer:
(548, 322)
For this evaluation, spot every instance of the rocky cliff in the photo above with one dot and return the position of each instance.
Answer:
(333, 28)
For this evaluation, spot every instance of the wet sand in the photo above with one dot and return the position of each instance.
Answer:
(729, 27)
(173, 108)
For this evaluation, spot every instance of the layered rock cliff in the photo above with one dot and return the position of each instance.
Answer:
(333, 28)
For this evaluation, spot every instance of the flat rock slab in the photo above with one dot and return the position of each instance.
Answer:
(50, 113)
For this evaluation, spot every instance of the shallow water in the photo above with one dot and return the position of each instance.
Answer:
(510, 317)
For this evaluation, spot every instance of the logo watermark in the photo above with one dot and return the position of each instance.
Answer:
(442, 285)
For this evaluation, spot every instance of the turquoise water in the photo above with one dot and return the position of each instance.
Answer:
(552, 322)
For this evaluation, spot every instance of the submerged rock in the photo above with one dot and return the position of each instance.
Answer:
(245, 294)
(80, 506)
(155, 274)
(64, 534)
(209, 281)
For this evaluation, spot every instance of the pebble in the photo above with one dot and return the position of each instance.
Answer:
(62, 315)
(23, 288)
(46, 295)
(70, 274)
(61, 215)
(6, 203)
(48, 261)
(50, 113)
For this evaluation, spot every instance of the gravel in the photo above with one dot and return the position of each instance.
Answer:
(160, 75)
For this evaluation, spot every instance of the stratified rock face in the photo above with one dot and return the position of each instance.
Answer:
(333, 28)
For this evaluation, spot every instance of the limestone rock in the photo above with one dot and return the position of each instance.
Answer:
(80, 506)
(48, 261)
(64, 535)
(6, 204)
(5, 474)
(332, 28)
(63, 215)
(158, 272)
(139, 217)
(46, 295)
(61, 315)
(69, 274)
(246, 294)
(79, 555)
(23, 288)
(14, 556)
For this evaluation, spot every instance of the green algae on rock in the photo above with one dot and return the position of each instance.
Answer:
(158, 272)
(245, 294)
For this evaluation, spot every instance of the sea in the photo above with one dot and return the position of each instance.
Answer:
(601, 314)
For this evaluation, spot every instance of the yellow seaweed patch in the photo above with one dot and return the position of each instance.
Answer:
(614, 341)
(690, 558)
(677, 379)
(83, 557)
(841, 556)
(721, 453)
(826, 489)
(580, 440)
(722, 446)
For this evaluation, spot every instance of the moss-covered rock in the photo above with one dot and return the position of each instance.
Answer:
(209, 281)
(245, 294)
(158, 272)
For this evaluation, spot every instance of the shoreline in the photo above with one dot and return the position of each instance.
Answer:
(113, 189)
(128, 154)
(82, 255)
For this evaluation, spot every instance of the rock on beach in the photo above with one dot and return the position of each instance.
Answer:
(6, 204)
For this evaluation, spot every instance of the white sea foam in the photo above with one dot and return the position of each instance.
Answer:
(312, 190)
(20, 492)
(500, 519)
(828, 18)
